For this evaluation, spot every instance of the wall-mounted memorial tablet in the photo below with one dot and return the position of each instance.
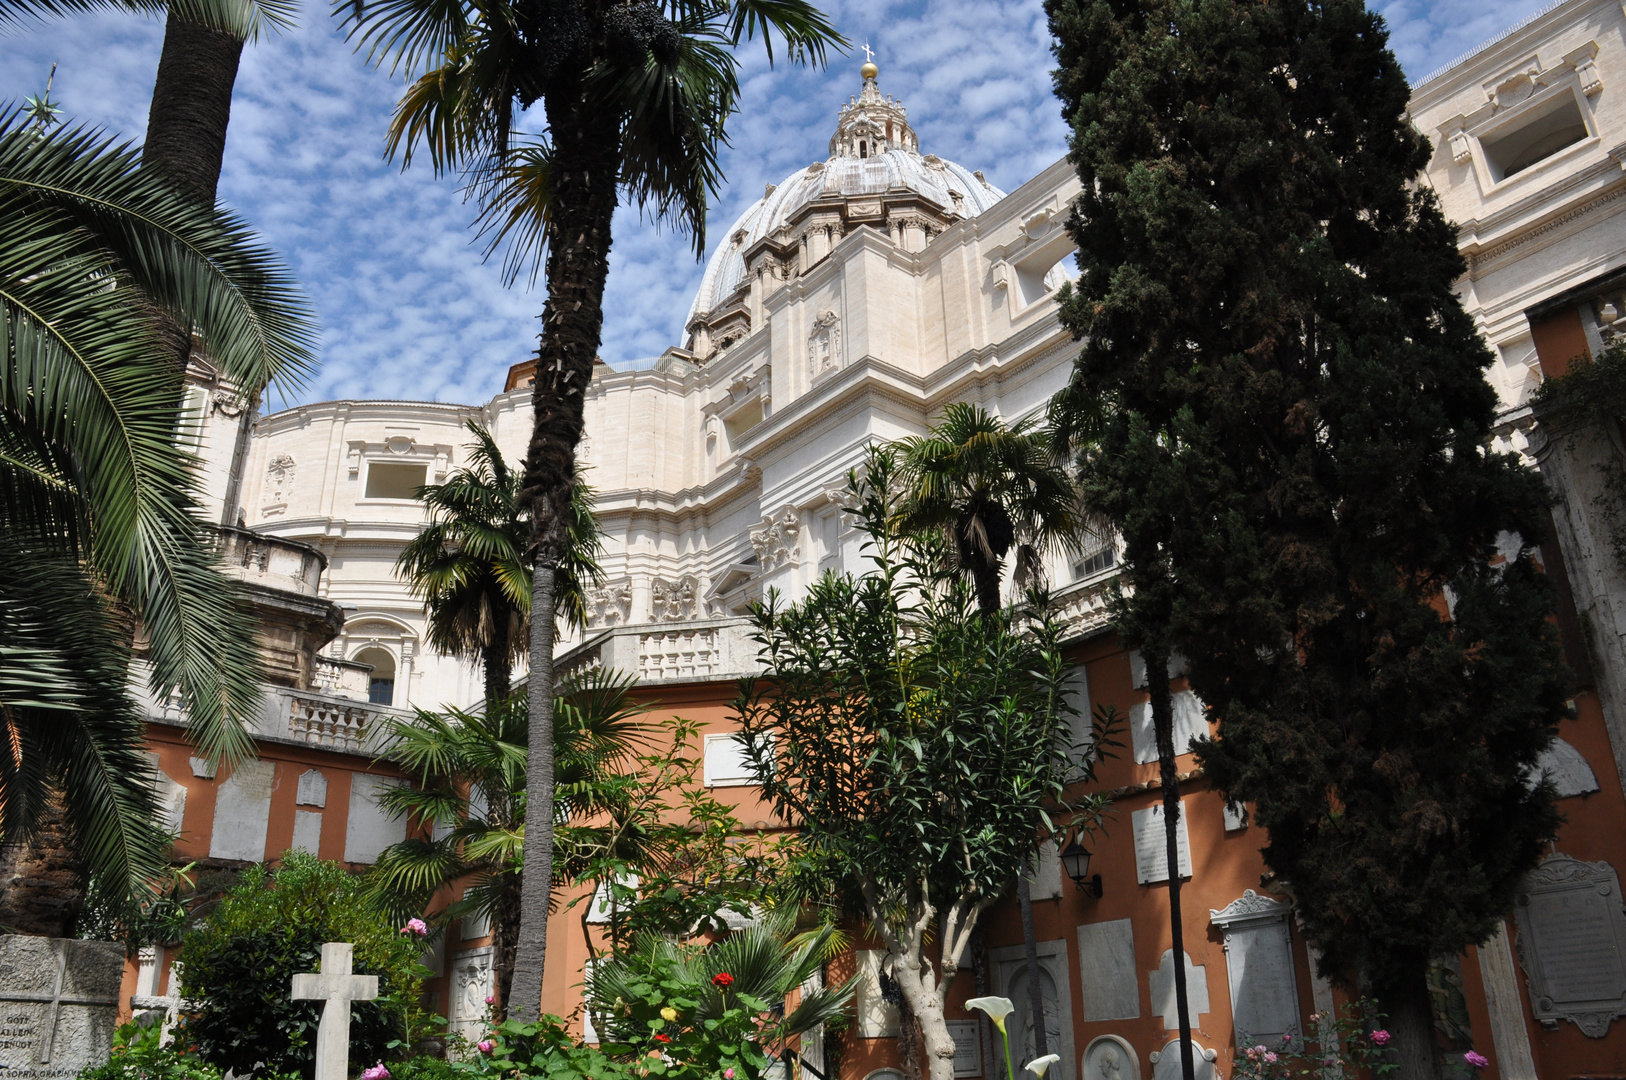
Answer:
(1572, 943)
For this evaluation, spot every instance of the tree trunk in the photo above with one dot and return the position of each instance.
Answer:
(985, 576)
(536, 882)
(979, 986)
(585, 160)
(1030, 953)
(191, 106)
(929, 1016)
(42, 890)
(1411, 1026)
(505, 927)
(498, 666)
(1157, 682)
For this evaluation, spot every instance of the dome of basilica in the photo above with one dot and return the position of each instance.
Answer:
(873, 156)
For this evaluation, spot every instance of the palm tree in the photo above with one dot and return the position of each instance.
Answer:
(468, 787)
(471, 564)
(97, 493)
(990, 486)
(635, 98)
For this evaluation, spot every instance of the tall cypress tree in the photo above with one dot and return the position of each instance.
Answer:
(1290, 425)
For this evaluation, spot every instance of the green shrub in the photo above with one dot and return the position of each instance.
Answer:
(137, 1056)
(240, 962)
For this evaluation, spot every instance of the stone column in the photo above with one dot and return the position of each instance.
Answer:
(1508, 1032)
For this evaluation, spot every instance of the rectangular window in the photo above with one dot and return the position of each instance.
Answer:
(1535, 138)
(725, 762)
(1095, 562)
(394, 480)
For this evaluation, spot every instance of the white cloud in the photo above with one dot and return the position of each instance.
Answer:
(409, 308)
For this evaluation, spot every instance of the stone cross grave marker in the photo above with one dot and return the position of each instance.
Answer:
(58, 998)
(336, 987)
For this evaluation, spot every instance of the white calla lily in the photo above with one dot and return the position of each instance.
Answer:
(997, 1008)
(1038, 1065)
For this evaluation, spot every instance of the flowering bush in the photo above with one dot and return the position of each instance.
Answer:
(1336, 1049)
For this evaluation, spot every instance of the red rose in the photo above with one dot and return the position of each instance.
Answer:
(661, 1036)
(722, 979)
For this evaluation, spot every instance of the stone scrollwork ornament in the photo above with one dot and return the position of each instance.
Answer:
(824, 345)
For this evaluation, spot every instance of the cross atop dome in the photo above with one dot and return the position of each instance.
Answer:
(871, 124)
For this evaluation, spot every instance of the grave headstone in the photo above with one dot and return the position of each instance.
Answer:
(1161, 984)
(1259, 963)
(1106, 966)
(58, 1004)
(1567, 768)
(967, 1047)
(312, 788)
(1572, 943)
(473, 980)
(1166, 1062)
(336, 987)
(1110, 1057)
(1151, 844)
(308, 831)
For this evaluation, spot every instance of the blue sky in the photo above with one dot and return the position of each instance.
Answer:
(408, 307)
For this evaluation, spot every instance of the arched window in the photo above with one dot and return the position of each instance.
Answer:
(381, 683)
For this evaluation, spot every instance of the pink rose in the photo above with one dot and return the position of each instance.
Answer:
(485, 1046)
(377, 1072)
(491, 999)
(1380, 1037)
(415, 926)
(728, 1074)
(1261, 1048)
(1476, 1059)
(1270, 1058)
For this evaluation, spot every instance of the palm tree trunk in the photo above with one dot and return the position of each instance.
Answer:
(1157, 682)
(1030, 949)
(42, 890)
(536, 882)
(506, 927)
(586, 156)
(191, 106)
(494, 658)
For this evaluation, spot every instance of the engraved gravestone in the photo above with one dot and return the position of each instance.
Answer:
(967, 1047)
(1152, 845)
(1572, 943)
(58, 999)
(1259, 963)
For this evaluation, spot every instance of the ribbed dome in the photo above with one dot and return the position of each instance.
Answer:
(955, 189)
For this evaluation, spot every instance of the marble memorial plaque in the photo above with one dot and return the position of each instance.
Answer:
(1110, 1057)
(967, 1047)
(307, 831)
(473, 980)
(312, 788)
(1161, 984)
(1190, 720)
(58, 1004)
(242, 812)
(877, 1017)
(1572, 943)
(1151, 844)
(1259, 963)
(1106, 968)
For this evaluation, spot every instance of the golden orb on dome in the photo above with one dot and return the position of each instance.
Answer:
(869, 71)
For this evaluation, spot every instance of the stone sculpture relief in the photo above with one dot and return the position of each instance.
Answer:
(609, 604)
(824, 345)
(674, 601)
(779, 541)
(279, 479)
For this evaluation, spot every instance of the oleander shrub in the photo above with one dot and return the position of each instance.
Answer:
(239, 963)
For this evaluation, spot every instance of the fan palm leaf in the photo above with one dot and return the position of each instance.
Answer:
(246, 20)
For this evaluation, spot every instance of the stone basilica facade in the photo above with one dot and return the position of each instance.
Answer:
(850, 304)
